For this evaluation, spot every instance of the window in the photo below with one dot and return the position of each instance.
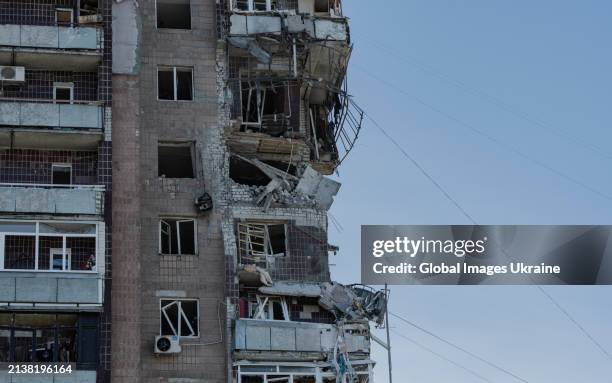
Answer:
(177, 236)
(267, 106)
(61, 174)
(63, 16)
(175, 160)
(63, 92)
(270, 308)
(40, 338)
(175, 14)
(174, 83)
(257, 241)
(47, 246)
(266, 5)
(179, 317)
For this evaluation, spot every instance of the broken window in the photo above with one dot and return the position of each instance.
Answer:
(179, 317)
(257, 241)
(175, 160)
(175, 14)
(175, 83)
(270, 308)
(61, 174)
(177, 236)
(63, 16)
(63, 92)
(266, 106)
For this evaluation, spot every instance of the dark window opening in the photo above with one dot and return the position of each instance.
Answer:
(245, 173)
(184, 88)
(177, 236)
(61, 174)
(175, 83)
(173, 14)
(321, 6)
(175, 160)
(179, 317)
(276, 235)
(63, 94)
(165, 84)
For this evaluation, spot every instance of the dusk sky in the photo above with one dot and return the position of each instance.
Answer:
(507, 106)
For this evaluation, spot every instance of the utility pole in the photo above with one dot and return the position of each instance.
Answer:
(388, 336)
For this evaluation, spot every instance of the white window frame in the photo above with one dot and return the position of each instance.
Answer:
(61, 165)
(66, 260)
(264, 308)
(62, 9)
(165, 68)
(245, 238)
(181, 314)
(63, 85)
(179, 220)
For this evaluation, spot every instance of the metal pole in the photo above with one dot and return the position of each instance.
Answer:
(388, 336)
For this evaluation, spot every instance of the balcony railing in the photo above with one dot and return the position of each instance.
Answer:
(46, 113)
(51, 199)
(278, 335)
(50, 37)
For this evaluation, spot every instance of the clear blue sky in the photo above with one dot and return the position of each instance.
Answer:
(548, 60)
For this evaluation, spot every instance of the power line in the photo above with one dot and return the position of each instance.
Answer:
(495, 366)
(440, 356)
(489, 137)
(575, 322)
(492, 99)
(469, 217)
(418, 166)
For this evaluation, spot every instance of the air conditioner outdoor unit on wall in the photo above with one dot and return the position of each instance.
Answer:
(12, 74)
(167, 344)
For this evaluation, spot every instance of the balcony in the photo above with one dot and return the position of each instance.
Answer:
(50, 287)
(51, 47)
(51, 199)
(268, 335)
(43, 124)
(318, 28)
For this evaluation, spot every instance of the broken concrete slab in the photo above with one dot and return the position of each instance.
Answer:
(322, 189)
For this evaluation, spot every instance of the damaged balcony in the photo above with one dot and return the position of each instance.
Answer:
(52, 199)
(278, 184)
(317, 19)
(45, 123)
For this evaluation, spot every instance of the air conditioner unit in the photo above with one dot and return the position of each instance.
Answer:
(167, 344)
(12, 74)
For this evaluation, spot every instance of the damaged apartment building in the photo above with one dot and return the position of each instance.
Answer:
(229, 118)
(55, 187)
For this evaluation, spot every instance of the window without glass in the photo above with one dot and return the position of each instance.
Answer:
(175, 160)
(175, 14)
(179, 317)
(63, 92)
(61, 174)
(175, 83)
(177, 236)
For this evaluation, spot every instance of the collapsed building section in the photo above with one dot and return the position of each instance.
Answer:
(288, 122)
